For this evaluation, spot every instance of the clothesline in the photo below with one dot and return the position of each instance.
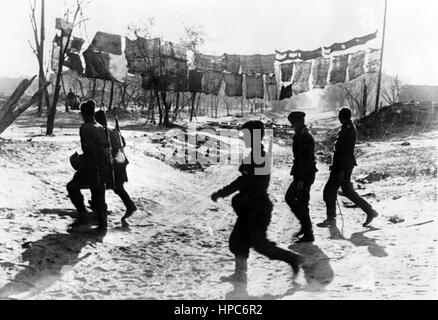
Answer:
(242, 74)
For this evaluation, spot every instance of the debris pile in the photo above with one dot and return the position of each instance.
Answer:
(397, 118)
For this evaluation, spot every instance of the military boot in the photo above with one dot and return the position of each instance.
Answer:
(307, 237)
(240, 273)
(329, 222)
(103, 224)
(81, 223)
(370, 216)
(129, 212)
(295, 261)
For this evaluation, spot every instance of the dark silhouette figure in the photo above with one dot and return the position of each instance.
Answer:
(340, 173)
(119, 167)
(92, 173)
(303, 172)
(253, 207)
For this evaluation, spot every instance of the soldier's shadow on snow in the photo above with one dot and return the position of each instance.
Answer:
(46, 260)
(317, 270)
(360, 240)
(60, 212)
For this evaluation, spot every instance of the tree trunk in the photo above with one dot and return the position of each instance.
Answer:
(15, 97)
(364, 100)
(176, 110)
(192, 110)
(42, 76)
(93, 91)
(197, 104)
(7, 118)
(103, 94)
(160, 111)
(166, 121)
(52, 113)
(65, 93)
(122, 102)
(241, 106)
(111, 96)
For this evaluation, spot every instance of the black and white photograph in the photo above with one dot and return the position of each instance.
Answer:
(218, 150)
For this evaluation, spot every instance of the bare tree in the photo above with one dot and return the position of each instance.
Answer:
(38, 47)
(194, 36)
(391, 93)
(10, 111)
(357, 95)
(69, 13)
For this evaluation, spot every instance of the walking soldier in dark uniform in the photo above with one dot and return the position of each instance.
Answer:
(92, 170)
(303, 172)
(253, 207)
(340, 172)
(119, 164)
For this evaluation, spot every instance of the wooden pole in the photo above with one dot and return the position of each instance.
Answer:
(379, 79)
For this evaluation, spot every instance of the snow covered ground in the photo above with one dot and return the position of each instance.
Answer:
(177, 244)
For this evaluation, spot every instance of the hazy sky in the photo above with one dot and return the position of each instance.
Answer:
(247, 27)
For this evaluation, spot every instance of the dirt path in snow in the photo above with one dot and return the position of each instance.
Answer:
(177, 245)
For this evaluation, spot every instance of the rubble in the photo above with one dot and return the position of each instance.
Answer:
(371, 177)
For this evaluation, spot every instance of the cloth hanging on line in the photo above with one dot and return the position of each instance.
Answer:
(232, 63)
(105, 66)
(174, 74)
(195, 81)
(338, 73)
(63, 25)
(204, 62)
(233, 85)
(107, 42)
(271, 87)
(56, 50)
(267, 63)
(373, 64)
(97, 65)
(257, 63)
(300, 81)
(356, 65)
(254, 87)
(285, 92)
(73, 62)
(282, 56)
(173, 50)
(212, 82)
(143, 55)
(350, 43)
(76, 44)
(286, 71)
(319, 72)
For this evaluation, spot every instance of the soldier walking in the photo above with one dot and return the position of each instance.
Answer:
(303, 172)
(340, 173)
(253, 207)
(119, 165)
(92, 171)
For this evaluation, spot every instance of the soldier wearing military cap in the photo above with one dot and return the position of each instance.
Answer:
(303, 172)
(92, 171)
(340, 173)
(253, 207)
